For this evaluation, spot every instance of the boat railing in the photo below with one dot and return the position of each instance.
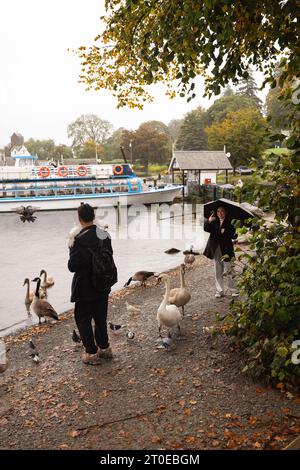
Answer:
(63, 171)
(56, 188)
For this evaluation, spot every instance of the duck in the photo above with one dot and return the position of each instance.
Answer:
(30, 294)
(180, 296)
(41, 307)
(168, 315)
(47, 281)
(172, 251)
(141, 276)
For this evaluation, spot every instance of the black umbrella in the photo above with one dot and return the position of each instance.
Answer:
(234, 210)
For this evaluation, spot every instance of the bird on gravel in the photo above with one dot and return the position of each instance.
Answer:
(130, 334)
(141, 276)
(34, 352)
(164, 343)
(114, 327)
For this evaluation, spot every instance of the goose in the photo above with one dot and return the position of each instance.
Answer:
(180, 296)
(141, 276)
(167, 315)
(47, 281)
(30, 294)
(40, 307)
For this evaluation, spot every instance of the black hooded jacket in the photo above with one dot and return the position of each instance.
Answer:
(224, 240)
(80, 263)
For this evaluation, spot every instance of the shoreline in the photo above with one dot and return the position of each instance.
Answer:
(192, 396)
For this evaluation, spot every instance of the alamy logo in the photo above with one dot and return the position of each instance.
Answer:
(296, 354)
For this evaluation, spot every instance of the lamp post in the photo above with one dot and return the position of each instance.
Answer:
(130, 148)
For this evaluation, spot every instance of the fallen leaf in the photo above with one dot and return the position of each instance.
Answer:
(215, 443)
(63, 447)
(193, 402)
(155, 440)
(257, 445)
(74, 433)
(190, 439)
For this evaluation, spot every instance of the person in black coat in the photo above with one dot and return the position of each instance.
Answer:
(220, 245)
(90, 303)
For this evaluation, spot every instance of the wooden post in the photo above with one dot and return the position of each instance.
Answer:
(226, 176)
(173, 179)
(199, 179)
(182, 174)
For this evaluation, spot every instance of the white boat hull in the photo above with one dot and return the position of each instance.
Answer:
(52, 203)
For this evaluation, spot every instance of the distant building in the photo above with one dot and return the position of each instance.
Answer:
(200, 166)
(16, 140)
(19, 153)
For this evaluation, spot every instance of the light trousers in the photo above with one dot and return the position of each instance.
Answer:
(222, 268)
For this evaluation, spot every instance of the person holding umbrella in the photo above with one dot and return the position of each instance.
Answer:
(220, 245)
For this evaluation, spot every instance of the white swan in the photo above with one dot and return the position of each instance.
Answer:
(167, 315)
(180, 296)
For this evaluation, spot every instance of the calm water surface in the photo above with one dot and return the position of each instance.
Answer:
(26, 248)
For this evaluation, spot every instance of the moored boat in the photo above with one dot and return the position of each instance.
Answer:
(63, 187)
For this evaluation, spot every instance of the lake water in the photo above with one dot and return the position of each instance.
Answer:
(139, 238)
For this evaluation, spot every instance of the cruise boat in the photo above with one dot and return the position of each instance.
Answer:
(62, 187)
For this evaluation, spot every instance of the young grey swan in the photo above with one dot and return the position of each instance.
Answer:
(141, 276)
(29, 295)
(47, 281)
(180, 296)
(41, 307)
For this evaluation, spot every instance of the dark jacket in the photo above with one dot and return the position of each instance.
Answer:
(80, 263)
(216, 238)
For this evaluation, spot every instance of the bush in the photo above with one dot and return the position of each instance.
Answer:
(265, 321)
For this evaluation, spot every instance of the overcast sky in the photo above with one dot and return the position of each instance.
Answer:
(39, 90)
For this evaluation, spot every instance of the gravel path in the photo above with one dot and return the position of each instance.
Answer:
(192, 396)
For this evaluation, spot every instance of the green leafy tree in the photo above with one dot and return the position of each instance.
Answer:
(248, 87)
(242, 132)
(146, 42)
(89, 128)
(44, 149)
(88, 151)
(112, 147)
(277, 109)
(62, 151)
(174, 128)
(226, 104)
(152, 143)
(191, 134)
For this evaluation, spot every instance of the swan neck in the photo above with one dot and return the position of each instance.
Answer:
(167, 292)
